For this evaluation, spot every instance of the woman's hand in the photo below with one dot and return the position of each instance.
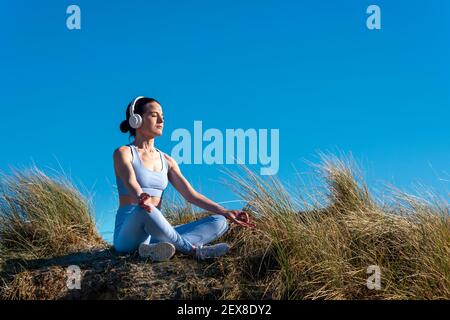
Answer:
(145, 202)
(239, 217)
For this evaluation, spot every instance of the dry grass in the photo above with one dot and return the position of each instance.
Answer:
(42, 217)
(323, 251)
(179, 211)
(315, 245)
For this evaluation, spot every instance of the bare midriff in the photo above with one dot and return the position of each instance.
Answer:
(126, 200)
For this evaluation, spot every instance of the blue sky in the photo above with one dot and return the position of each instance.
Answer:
(308, 68)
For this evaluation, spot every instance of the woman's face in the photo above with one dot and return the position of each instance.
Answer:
(153, 120)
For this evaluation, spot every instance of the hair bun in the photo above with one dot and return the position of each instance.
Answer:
(125, 126)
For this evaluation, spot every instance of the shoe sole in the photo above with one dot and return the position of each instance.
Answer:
(157, 252)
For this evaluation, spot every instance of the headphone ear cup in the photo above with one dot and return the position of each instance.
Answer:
(135, 121)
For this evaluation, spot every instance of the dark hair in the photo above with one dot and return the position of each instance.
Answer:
(139, 108)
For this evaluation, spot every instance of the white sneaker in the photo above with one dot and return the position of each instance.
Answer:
(161, 251)
(214, 251)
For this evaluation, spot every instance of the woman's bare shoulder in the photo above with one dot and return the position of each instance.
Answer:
(122, 152)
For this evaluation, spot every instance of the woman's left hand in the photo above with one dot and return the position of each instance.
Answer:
(239, 217)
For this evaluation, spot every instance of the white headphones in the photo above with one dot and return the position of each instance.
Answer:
(135, 120)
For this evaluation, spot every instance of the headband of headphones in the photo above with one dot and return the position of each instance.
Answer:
(133, 104)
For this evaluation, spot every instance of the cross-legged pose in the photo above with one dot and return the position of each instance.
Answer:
(142, 174)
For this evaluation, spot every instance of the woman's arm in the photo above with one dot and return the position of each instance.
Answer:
(124, 170)
(188, 192)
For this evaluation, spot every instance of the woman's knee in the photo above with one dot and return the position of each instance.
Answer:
(143, 211)
(221, 221)
(154, 215)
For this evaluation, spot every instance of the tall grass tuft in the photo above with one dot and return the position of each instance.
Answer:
(42, 217)
(322, 248)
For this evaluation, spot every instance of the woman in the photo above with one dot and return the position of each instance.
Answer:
(142, 174)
